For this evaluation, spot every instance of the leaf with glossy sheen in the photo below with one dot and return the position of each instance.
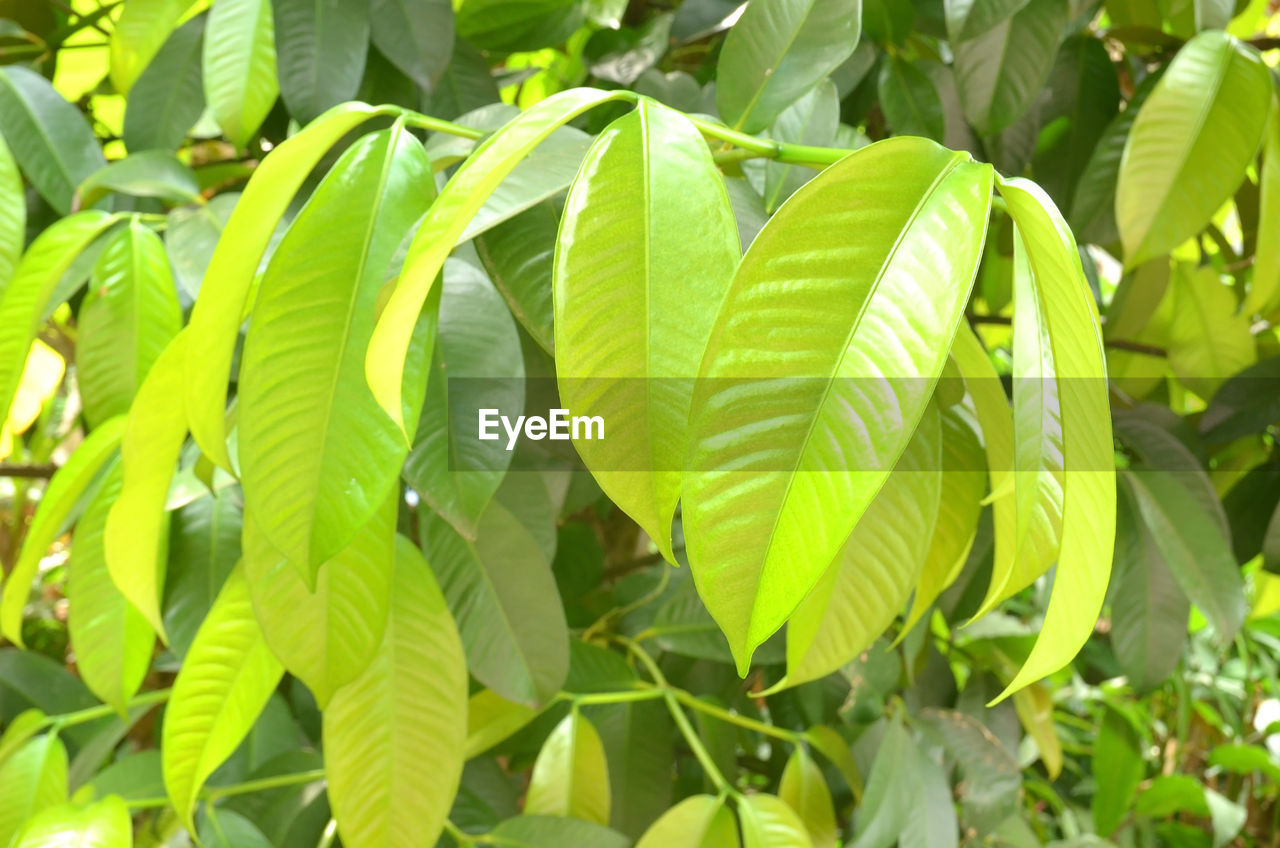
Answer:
(822, 361)
(1191, 144)
(222, 687)
(867, 584)
(910, 100)
(570, 777)
(239, 69)
(219, 311)
(648, 247)
(112, 641)
(129, 316)
(317, 456)
(139, 32)
(1264, 290)
(168, 97)
(13, 215)
(394, 737)
(701, 821)
(1209, 338)
(463, 196)
(491, 584)
(1001, 72)
(804, 789)
(518, 255)
(105, 824)
(204, 546)
(32, 780)
(49, 137)
(1089, 495)
(416, 36)
(136, 539)
(969, 18)
(769, 822)
(59, 499)
(779, 50)
(326, 638)
(320, 48)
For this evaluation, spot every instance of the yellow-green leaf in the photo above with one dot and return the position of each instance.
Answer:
(570, 776)
(1208, 339)
(702, 821)
(137, 36)
(13, 215)
(1264, 290)
(239, 67)
(769, 822)
(33, 779)
(105, 824)
(804, 789)
(492, 718)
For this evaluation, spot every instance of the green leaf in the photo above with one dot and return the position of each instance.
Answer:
(137, 532)
(491, 719)
(804, 789)
(910, 100)
(316, 453)
(701, 821)
(239, 70)
(887, 21)
(204, 546)
(828, 742)
(151, 173)
(517, 254)
(969, 18)
(935, 824)
(222, 828)
(991, 781)
(1208, 339)
(19, 729)
(637, 739)
(129, 316)
(112, 641)
(326, 638)
(769, 822)
(491, 584)
(570, 777)
(59, 499)
(13, 215)
(218, 313)
(776, 52)
(812, 120)
(191, 236)
(464, 195)
(222, 687)
(1191, 144)
(867, 584)
(106, 824)
(1070, 323)
(32, 780)
(168, 97)
(466, 84)
(1002, 71)
(394, 737)
(748, 500)
(48, 136)
(320, 48)
(1264, 290)
(554, 832)
(416, 36)
(517, 25)
(138, 35)
(631, 329)
(1117, 770)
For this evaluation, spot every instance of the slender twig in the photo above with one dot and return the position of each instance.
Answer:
(32, 472)
(89, 714)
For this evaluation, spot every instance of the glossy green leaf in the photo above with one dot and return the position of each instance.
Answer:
(138, 35)
(49, 137)
(1117, 770)
(13, 215)
(749, 500)
(518, 254)
(570, 777)
(227, 677)
(1191, 144)
(778, 51)
(1088, 513)
(32, 780)
(1002, 71)
(105, 824)
(969, 18)
(465, 85)
(472, 184)
(191, 236)
(204, 546)
(326, 638)
(60, 497)
(638, 746)
(517, 25)
(112, 641)
(166, 100)
(416, 35)
(910, 100)
(393, 738)
(219, 311)
(869, 581)
(19, 729)
(128, 318)
(1208, 339)
(137, 532)
(828, 742)
(701, 821)
(238, 68)
(490, 585)
(632, 321)
(769, 822)
(804, 789)
(316, 453)
(151, 173)
(531, 831)
(1264, 290)
(320, 49)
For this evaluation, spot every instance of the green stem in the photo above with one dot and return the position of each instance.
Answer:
(733, 718)
(103, 710)
(597, 698)
(457, 834)
(430, 124)
(794, 154)
(262, 784)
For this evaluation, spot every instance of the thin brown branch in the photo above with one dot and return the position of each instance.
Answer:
(30, 472)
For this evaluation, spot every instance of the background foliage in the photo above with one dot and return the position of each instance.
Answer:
(379, 641)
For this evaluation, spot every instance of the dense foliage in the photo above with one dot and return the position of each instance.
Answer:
(919, 365)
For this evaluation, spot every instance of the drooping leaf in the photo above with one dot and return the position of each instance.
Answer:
(320, 50)
(204, 546)
(1117, 769)
(13, 215)
(1264, 290)
(778, 51)
(222, 828)
(518, 254)
(60, 497)
(804, 789)
(466, 83)
(317, 454)
(394, 737)
(238, 69)
(129, 316)
(138, 35)
(32, 780)
(1190, 145)
(769, 822)
(416, 35)
(167, 98)
(969, 18)
(632, 317)
(934, 825)
(517, 25)
(223, 685)
(105, 824)
(700, 821)
(151, 173)
(910, 100)
(1208, 340)
(49, 137)
(749, 500)
(491, 719)
(570, 777)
